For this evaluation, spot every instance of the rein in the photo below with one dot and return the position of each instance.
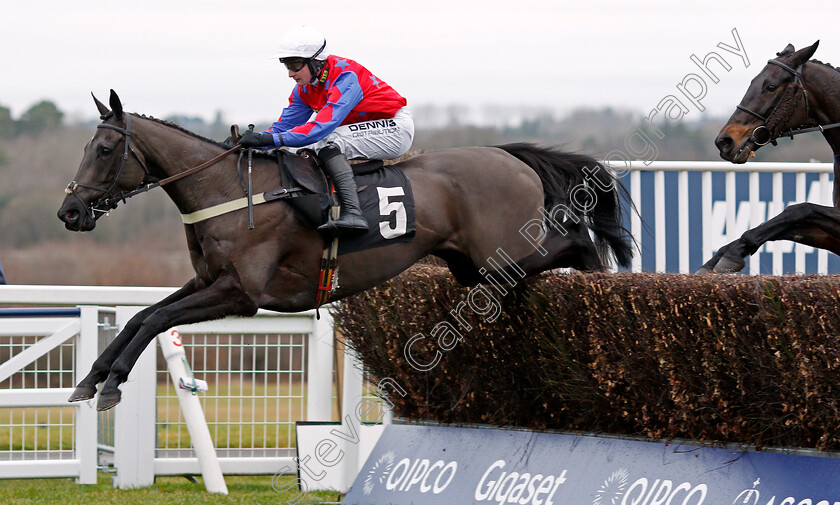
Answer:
(198, 168)
(104, 205)
(819, 128)
(762, 135)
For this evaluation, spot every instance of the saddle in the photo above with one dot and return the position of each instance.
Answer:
(303, 181)
(302, 171)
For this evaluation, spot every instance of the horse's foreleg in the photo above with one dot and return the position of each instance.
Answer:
(805, 223)
(710, 266)
(86, 389)
(221, 299)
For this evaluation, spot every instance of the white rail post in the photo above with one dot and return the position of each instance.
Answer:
(351, 399)
(706, 206)
(319, 368)
(86, 416)
(636, 219)
(173, 353)
(134, 418)
(659, 220)
(682, 212)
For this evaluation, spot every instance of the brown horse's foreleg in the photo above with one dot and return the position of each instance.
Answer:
(805, 223)
(86, 388)
(221, 299)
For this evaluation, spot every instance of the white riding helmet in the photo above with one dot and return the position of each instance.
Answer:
(303, 42)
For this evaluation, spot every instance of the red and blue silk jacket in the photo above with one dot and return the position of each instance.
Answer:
(344, 93)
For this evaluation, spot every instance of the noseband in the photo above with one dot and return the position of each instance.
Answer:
(108, 203)
(762, 135)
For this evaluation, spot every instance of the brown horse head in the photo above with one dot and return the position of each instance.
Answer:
(109, 168)
(775, 102)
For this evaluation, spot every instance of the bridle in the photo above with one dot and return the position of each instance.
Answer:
(762, 135)
(108, 202)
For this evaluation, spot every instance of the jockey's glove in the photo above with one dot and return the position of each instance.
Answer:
(253, 139)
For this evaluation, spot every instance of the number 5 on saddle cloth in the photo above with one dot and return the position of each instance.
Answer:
(384, 196)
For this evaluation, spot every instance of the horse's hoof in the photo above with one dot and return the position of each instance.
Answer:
(703, 270)
(729, 266)
(108, 399)
(82, 393)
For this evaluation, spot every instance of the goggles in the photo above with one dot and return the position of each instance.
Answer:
(293, 64)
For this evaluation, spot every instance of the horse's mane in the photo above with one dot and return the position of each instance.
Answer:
(179, 128)
(829, 65)
(169, 124)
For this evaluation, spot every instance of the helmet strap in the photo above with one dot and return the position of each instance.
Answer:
(315, 68)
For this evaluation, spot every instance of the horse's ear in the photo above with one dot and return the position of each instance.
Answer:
(787, 50)
(103, 110)
(116, 105)
(804, 54)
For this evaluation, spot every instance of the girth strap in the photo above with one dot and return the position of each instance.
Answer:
(239, 203)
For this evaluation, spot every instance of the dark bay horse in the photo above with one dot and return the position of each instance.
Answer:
(791, 95)
(535, 205)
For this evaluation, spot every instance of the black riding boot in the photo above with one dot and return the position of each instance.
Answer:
(351, 220)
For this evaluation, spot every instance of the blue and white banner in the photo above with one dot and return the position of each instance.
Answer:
(457, 466)
(719, 233)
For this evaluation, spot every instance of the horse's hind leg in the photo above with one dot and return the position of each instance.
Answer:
(221, 299)
(574, 250)
(86, 389)
(462, 268)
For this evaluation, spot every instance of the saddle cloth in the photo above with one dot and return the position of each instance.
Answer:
(385, 198)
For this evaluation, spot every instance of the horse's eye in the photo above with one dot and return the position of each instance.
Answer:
(771, 87)
(104, 151)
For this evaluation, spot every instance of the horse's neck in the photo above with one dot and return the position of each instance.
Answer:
(824, 93)
(169, 151)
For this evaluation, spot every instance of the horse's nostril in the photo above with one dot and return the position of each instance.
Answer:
(69, 216)
(724, 143)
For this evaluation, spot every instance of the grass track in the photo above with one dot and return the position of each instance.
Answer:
(243, 490)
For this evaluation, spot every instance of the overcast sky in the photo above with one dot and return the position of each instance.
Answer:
(195, 58)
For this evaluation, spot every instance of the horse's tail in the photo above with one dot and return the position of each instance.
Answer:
(561, 173)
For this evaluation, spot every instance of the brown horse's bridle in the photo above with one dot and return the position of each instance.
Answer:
(761, 135)
(108, 203)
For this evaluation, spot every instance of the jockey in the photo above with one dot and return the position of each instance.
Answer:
(340, 110)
